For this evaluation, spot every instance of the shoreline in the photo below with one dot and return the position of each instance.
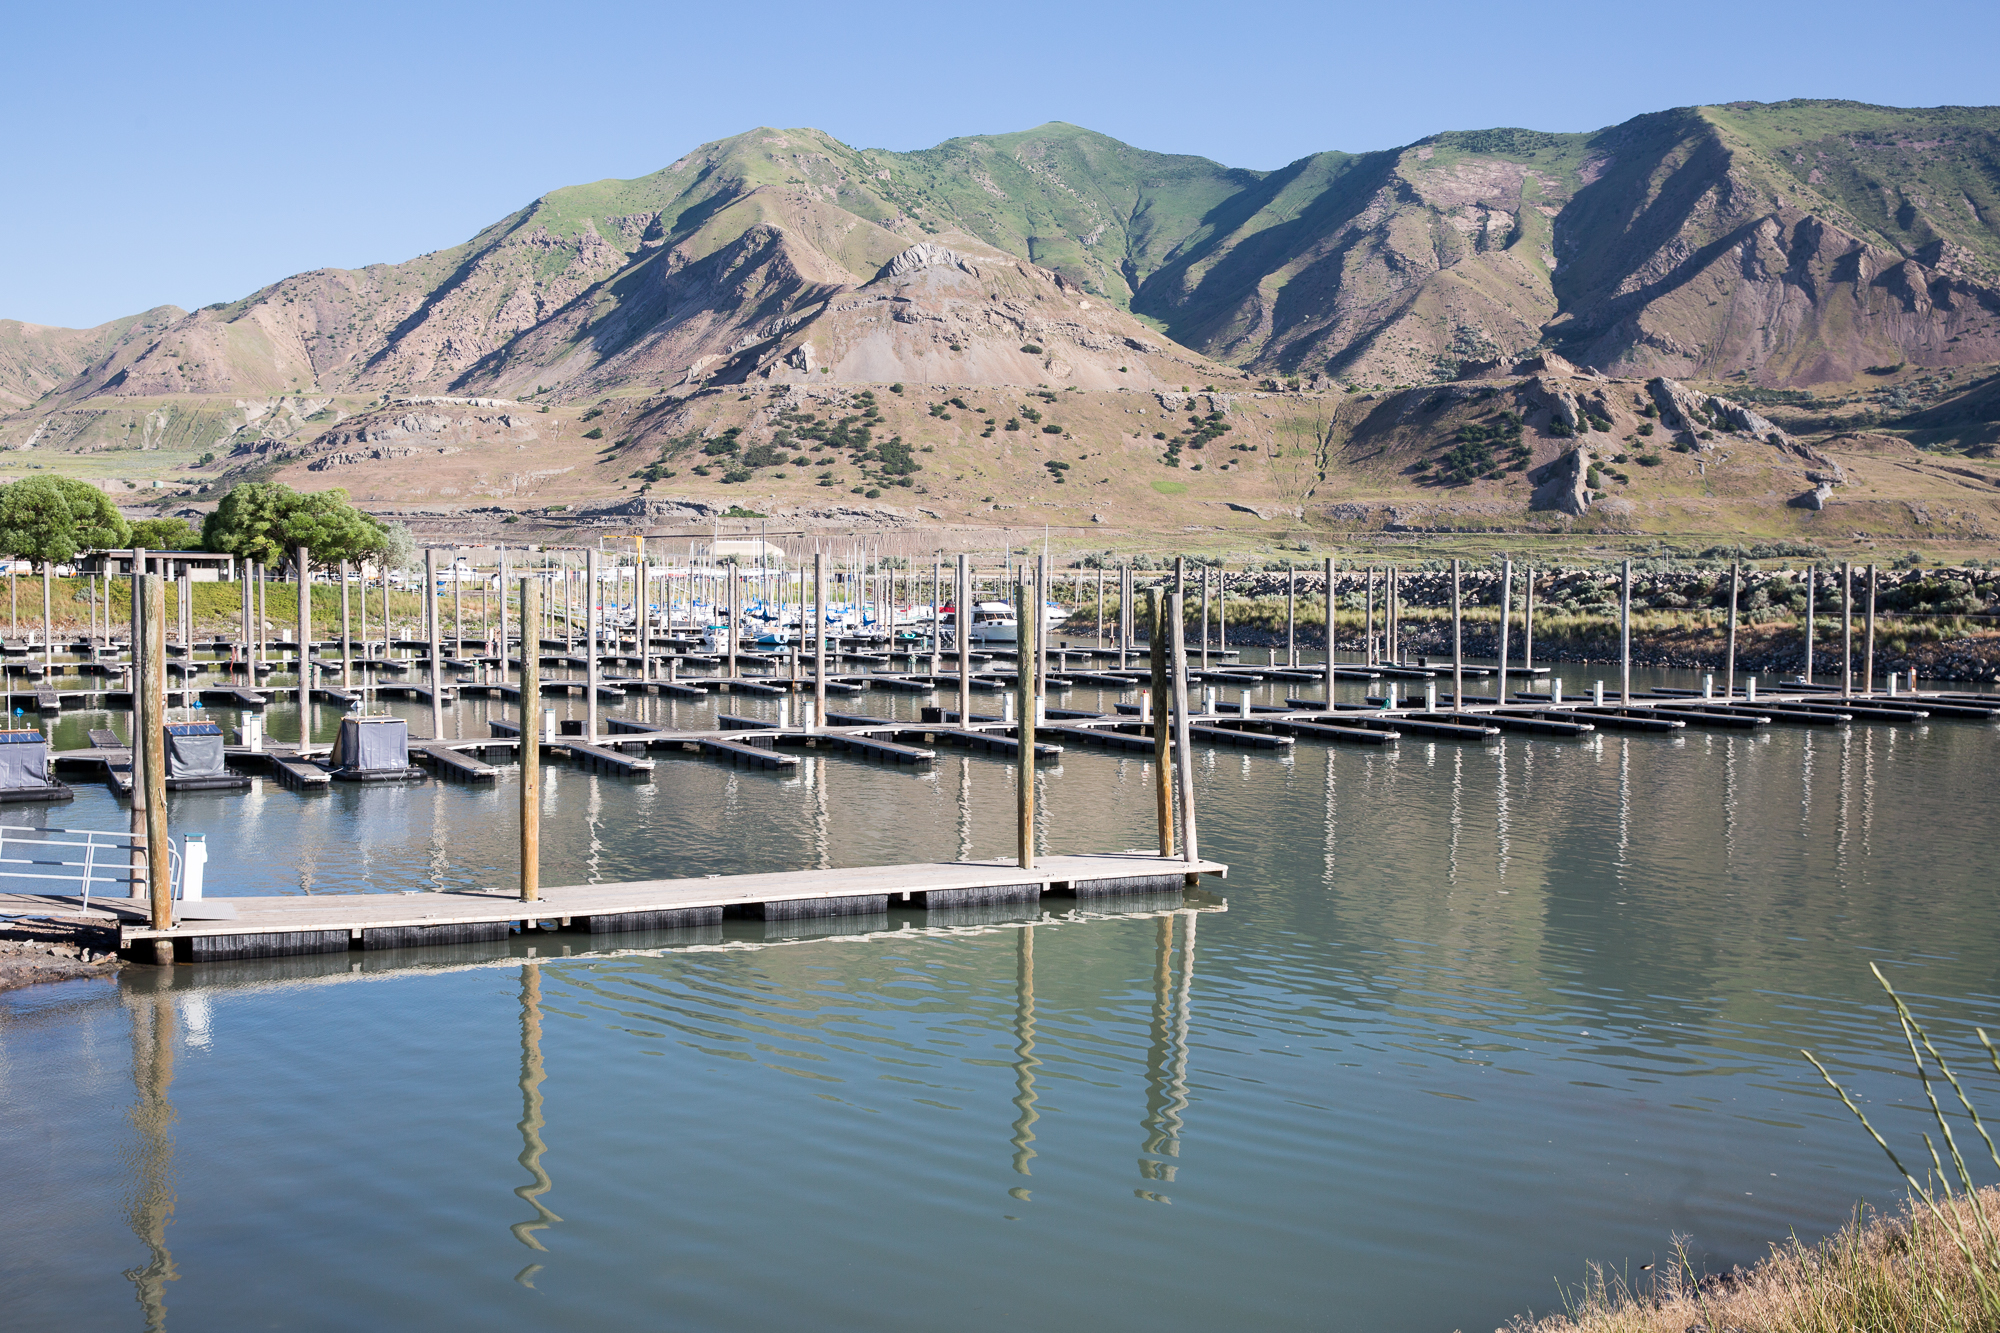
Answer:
(37, 951)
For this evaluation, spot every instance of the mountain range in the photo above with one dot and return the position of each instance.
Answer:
(1788, 244)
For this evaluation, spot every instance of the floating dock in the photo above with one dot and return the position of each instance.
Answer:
(332, 923)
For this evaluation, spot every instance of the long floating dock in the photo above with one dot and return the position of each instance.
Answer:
(332, 923)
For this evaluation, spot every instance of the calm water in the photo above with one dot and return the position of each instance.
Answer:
(1461, 1019)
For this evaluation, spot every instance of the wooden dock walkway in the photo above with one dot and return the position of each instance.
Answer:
(334, 923)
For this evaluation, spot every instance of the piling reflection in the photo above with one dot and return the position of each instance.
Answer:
(531, 1122)
(152, 1158)
(1025, 1062)
(1167, 1055)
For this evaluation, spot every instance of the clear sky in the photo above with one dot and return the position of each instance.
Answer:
(189, 153)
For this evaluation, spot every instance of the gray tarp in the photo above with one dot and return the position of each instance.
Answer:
(366, 744)
(194, 750)
(24, 759)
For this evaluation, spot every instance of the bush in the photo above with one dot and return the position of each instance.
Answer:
(594, 433)
(1032, 349)
(1052, 429)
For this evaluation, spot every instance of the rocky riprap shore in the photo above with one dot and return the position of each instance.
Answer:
(53, 950)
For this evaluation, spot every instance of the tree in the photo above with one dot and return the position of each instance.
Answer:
(165, 534)
(264, 521)
(397, 549)
(49, 519)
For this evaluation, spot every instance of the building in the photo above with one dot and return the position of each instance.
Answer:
(200, 566)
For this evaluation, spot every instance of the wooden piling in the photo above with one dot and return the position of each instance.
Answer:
(1368, 657)
(1124, 614)
(504, 589)
(1163, 781)
(150, 684)
(1291, 614)
(1207, 576)
(1812, 579)
(1847, 629)
(1331, 637)
(1183, 750)
(1506, 615)
(302, 559)
(1528, 625)
(1729, 657)
(735, 611)
(48, 619)
(1868, 641)
(819, 643)
(594, 667)
(1624, 639)
(346, 637)
(531, 742)
(435, 641)
(1457, 642)
(139, 743)
(1027, 617)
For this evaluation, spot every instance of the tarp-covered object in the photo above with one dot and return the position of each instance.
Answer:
(194, 750)
(371, 744)
(24, 759)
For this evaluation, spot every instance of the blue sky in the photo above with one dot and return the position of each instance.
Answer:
(191, 153)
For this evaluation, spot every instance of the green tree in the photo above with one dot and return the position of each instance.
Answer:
(49, 519)
(264, 521)
(165, 534)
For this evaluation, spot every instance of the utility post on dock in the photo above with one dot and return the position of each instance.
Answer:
(150, 684)
(1729, 651)
(1624, 641)
(591, 627)
(431, 615)
(1163, 778)
(531, 741)
(302, 559)
(1027, 614)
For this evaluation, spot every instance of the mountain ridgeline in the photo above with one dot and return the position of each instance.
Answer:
(1783, 245)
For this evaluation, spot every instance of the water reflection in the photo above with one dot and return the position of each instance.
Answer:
(151, 1008)
(531, 1122)
(1025, 1062)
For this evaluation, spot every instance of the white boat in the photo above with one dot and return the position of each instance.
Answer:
(993, 622)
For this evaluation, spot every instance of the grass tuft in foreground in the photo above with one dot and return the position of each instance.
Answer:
(1933, 1267)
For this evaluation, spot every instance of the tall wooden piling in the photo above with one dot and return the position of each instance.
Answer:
(1624, 637)
(1506, 615)
(346, 637)
(1027, 617)
(302, 560)
(1368, 655)
(1392, 617)
(1207, 577)
(961, 633)
(1183, 749)
(150, 683)
(138, 681)
(593, 667)
(1100, 606)
(819, 644)
(531, 743)
(48, 619)
(1812, 580)
(1528, 625)
(504, 588)
(1042, 593)
(1124, 614)
(435, 640)
(1729, 652)
(1868, 640)
(732, 602)
(1163, 779)
(1846, 628)
(1331, 637)
(1457, 642)
(1221, 609)
(1291, 614)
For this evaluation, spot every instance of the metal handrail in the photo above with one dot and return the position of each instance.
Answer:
(86, 871)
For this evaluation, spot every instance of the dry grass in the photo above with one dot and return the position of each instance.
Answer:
(1932, 1268)
(1901, 1274)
